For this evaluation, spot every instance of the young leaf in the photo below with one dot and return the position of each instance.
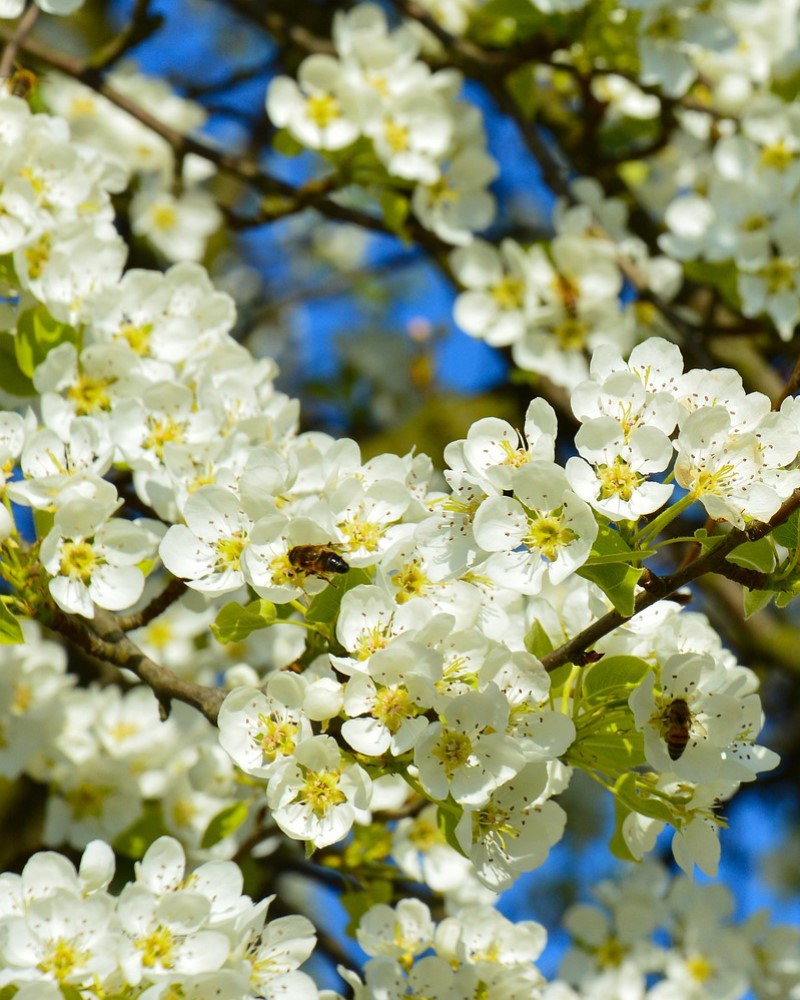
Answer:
(10, 628)
(224, 824)
(236, 621)
(37, 334)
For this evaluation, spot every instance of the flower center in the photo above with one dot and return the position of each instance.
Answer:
(509, 292)
(64, 958)
(229, 552)
(78, 560)
(276, 738)
(411, 581)
(321, 791)
(618, 480)
(392, 707)
(452, 750)
(323, 109)
(89, 394)
(157, 948)
(547, 535)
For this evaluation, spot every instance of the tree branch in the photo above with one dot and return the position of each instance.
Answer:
(173, 590)
(103, 638)
(16, 38)
(712, 561)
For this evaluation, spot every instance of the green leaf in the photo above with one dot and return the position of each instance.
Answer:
(447, 820)
(357, 901)
(617, 844)
(613, 678)
(236, 621)
(755, 600)
(558, 678)
(11, 378)
(10, 628)
(70, 992)
(537, 641)
(395, 207)
(324, 608)
(225, 823)
(8, 273)
(610, 568)
(7, 992)
(43, 521)
(608, 750)
(522, 87)
(134, 841)
(284, 142)
(627, 791)
(723, 276)
(370, 844)
(759, 555)
(37, 334)
(504, 22)
(788, 533)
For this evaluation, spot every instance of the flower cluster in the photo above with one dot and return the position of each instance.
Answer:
(477, 951)
(423, 662)
(105, 757)
(742, 217)
(396, 668)
(650, 937)
(554, 303)
(376, 88)
(177, 219)
(662, 939)
(169, 932)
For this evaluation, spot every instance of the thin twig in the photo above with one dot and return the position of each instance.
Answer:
(173, 590)
(141, 26)
(103, 638)
(16, 38)
(710, 562)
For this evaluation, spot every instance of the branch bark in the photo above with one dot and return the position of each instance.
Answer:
(711, 561)
(103, 638)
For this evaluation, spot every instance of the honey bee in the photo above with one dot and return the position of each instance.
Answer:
(317, 560)
(676, 724)
(569, 294)
(21, 83)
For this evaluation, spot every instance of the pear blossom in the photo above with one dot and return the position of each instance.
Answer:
(612, 471)
(469, 753)
(543, 530)
(178, 227)
(726, 471)
(386, 707)
(319, 110)
(258, 729)
(93, 558)
(495, 304)
(314, 795)
(512, 832)
(207, 550)
(493, 452)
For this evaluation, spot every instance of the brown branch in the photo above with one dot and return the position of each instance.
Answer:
(173, 590)
(283, 30)
(791, 387)
(103, 638)
(713, 561)
(16, 38)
